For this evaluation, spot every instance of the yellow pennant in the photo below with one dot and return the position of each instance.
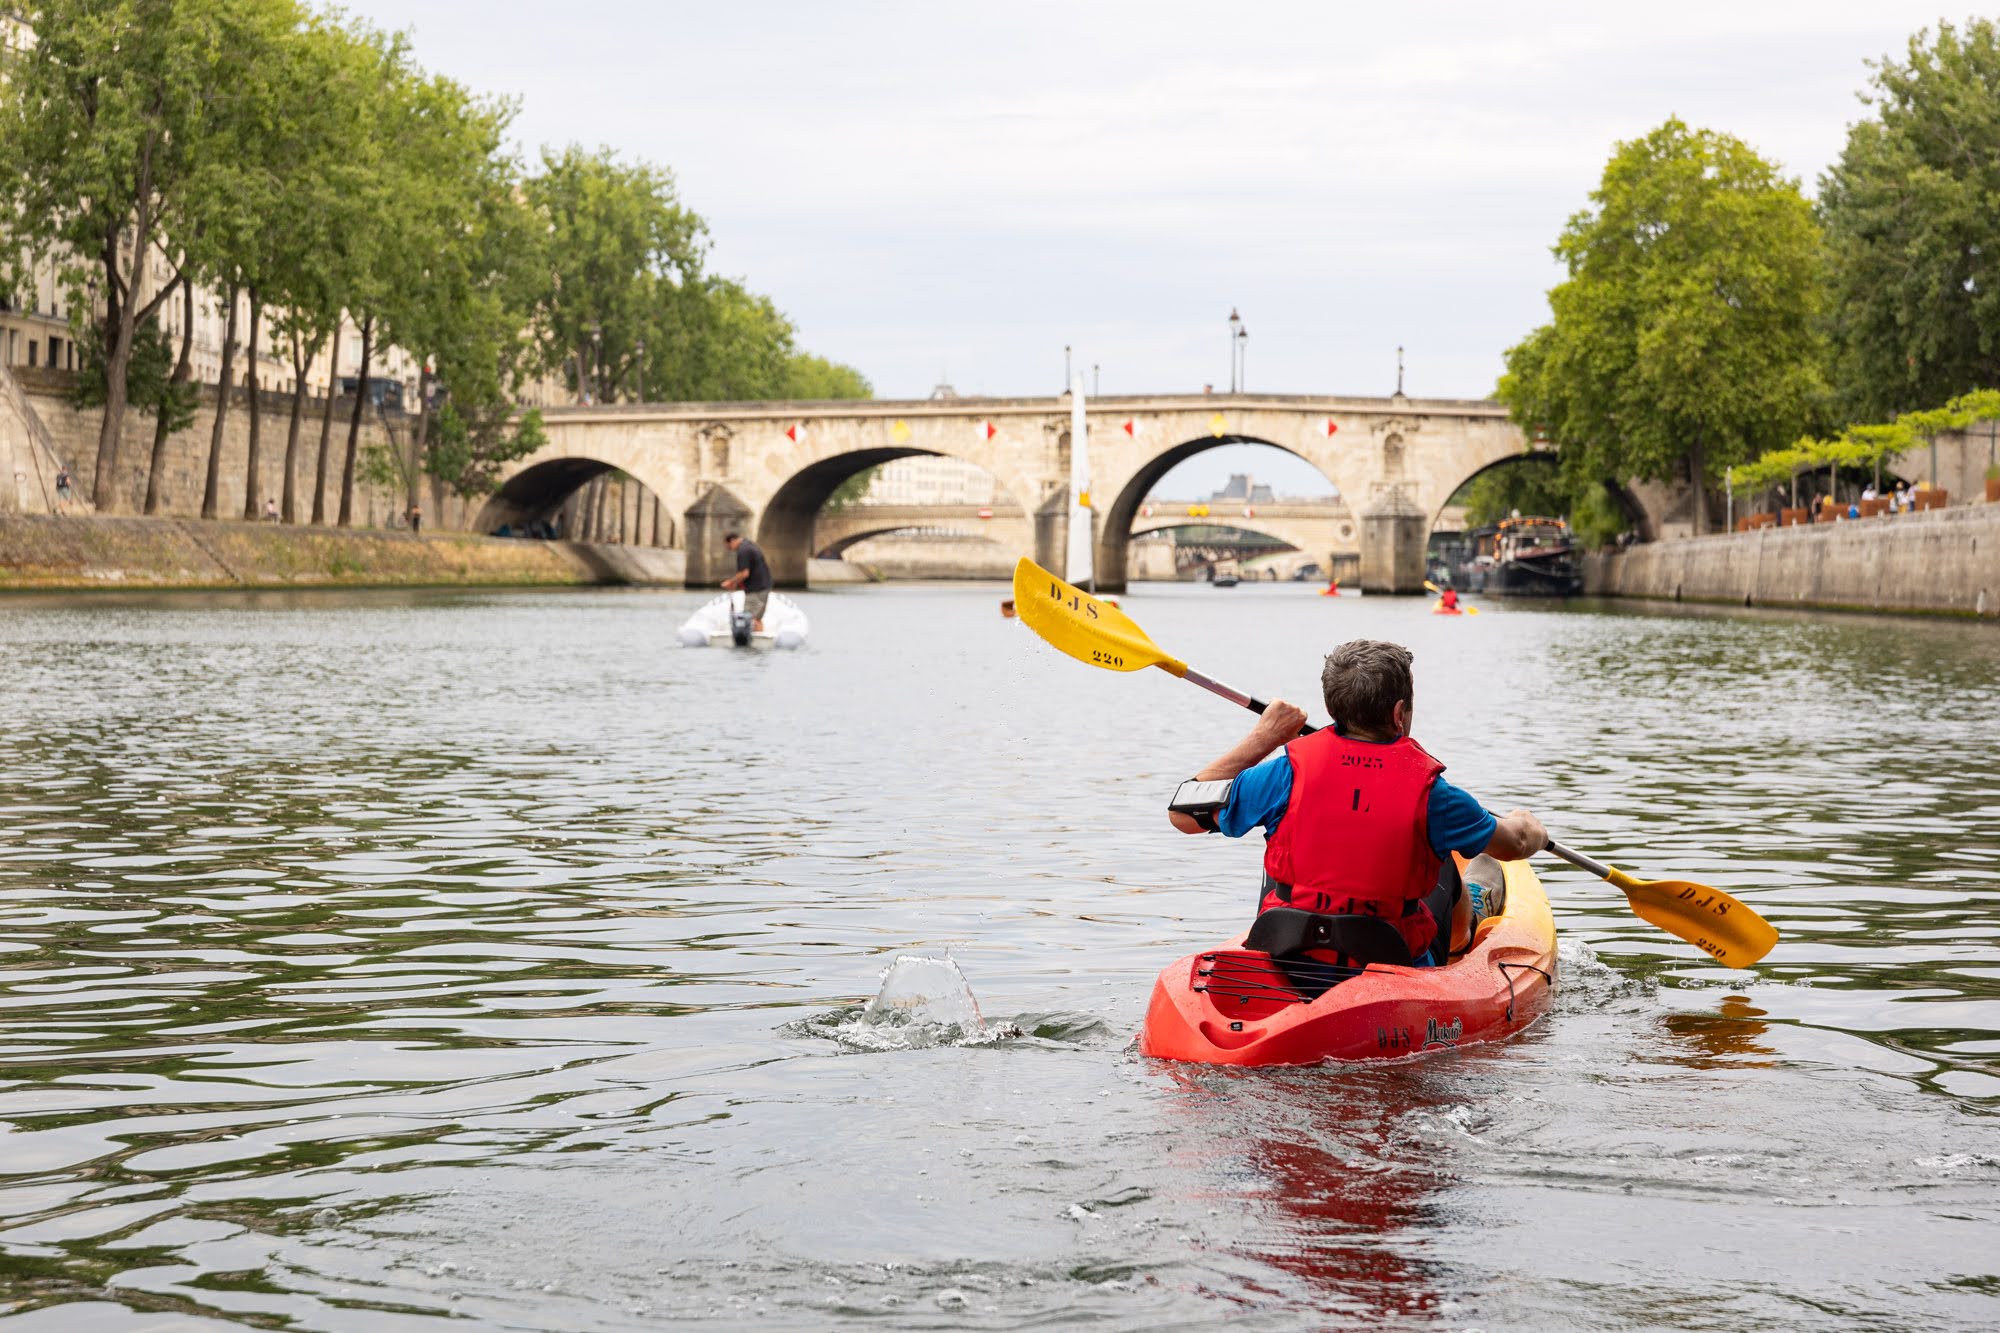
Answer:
(1216, 425)
(900, 431)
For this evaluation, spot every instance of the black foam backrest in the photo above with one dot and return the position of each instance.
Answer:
(1286, 932)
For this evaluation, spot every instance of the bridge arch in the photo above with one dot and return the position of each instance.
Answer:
(544, 497)
(1531, 458)
(785, 527)
(1121, 520)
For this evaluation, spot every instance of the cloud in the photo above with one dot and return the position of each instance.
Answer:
(917, 183)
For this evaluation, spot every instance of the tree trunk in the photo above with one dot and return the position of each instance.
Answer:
(1698, 478)
(420, 438)
(209, 502)
(250, 479)
(158, 462)
(104, 487)
(326, 427)
(354, 424)
(302, 359)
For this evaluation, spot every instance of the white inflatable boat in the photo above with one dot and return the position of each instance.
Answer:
(721, 621)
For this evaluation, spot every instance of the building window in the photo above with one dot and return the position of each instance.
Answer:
(31, 353)
(55, 353)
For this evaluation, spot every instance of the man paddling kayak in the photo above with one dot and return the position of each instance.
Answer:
(1356, 819)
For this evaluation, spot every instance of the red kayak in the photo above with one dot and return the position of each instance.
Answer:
(1239, 1006)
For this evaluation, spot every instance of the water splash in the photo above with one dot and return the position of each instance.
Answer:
(922, 1003)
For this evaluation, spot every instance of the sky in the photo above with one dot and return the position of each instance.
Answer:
(942, 192)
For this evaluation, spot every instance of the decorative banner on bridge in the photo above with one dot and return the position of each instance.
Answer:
(987, 430)
(900, 431)
(1216, 425)
(796, 434)
(1331, 426)
(1132, 429)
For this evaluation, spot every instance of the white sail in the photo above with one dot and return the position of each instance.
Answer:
(1077, 556)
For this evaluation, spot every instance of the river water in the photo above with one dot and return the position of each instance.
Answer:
(369, 961)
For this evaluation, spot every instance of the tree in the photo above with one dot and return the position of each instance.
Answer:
(809, 376)
(1685, 337)
(1524, 488)
(462, 308)
(715, 340)
(156, 383)
(105, 123)
(1912, 214)
(620, 250)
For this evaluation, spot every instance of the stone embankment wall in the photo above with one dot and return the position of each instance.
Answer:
(38, 551)
(1944, 560)
(72, 432)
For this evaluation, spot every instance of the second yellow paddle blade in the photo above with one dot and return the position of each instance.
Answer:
(1086, 628)
(1717, 924)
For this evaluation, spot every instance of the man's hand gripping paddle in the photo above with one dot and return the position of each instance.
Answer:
(1093, 631)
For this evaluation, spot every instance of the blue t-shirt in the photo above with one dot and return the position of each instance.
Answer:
(1457, 822)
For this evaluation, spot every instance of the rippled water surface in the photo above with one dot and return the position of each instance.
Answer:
(372, 961)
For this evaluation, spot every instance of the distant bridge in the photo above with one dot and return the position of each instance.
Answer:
(768, 468)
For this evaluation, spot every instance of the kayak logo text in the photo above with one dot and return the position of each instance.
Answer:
(1436, 1034)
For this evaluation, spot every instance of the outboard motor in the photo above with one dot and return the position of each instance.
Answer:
(739, 628)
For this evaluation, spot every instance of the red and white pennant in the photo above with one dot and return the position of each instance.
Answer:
(796, 434)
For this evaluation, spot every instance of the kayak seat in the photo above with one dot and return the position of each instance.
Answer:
(1290, 932)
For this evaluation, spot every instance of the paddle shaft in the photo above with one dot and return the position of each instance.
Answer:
(1579, 860)
(1236, 696)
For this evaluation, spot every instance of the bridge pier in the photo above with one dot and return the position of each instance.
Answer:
(707, 519)
(1394, 535)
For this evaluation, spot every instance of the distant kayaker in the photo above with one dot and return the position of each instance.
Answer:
(753, 575)
(1355, 817)
(1448, 599)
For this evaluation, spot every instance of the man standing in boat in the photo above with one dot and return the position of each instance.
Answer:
(753, 575)
(1356, 819)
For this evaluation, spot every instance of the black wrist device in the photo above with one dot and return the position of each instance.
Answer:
(1202, 801)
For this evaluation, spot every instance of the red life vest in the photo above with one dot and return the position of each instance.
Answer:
(1355, 837)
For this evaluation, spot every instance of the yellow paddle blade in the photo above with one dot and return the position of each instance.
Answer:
(1470, 610)
(1088, 629)
(1717, 924)
(1431, 587)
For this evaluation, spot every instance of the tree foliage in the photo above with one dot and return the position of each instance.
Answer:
(1866, 445)
(1524, 488)
(628, 308)
(1685, 336)
(149, 377)
(305, 160)
(113, 119)
(1912, 214)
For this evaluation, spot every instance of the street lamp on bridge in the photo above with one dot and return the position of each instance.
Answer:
(1235, 327)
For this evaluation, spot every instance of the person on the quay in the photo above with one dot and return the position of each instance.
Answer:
(753, 575)
(1356, 819)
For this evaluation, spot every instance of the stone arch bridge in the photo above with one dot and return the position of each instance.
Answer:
(768, 468)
